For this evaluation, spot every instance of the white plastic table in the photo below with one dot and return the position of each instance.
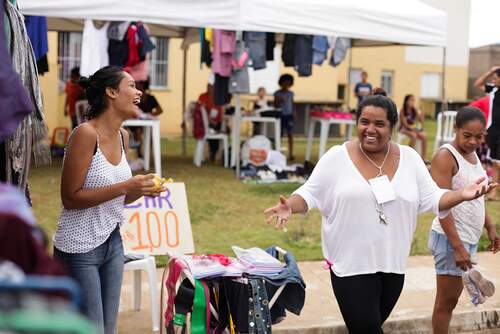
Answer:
(151, 131)
(323, 136)
(265, 120)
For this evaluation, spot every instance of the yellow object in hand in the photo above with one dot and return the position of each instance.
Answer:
(158, 181)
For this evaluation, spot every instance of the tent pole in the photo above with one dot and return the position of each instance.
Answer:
(348, 90)
(236, 131)
(184, 82)
(444, 104)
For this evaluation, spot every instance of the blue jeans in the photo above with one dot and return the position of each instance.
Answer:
(99, 273)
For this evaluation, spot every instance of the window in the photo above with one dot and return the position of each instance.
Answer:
(341, 91)
(387, 81)
(158, 65)
(355, 76)
(430, 85)
(69, 53)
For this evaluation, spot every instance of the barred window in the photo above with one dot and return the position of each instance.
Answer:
(387, 81)
(158, 66)
(69, 54)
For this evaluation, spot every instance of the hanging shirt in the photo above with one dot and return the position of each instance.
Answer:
(320, 49)
(353, 238)
(224, 45)
(340, 47)
(304, 55)
(94, 47)
(36, 26)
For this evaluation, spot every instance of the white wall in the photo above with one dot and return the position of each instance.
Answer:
(457, 49)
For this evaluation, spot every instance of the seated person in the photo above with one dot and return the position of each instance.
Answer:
(409, 116)
(259, 104)
(215, 115)
(150, 108)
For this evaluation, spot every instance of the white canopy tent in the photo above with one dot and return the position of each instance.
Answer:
(367, 22)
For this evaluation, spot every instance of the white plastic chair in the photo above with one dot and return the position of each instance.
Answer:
(80, 109)
(148, 265)
(445, 128)
(199, 153)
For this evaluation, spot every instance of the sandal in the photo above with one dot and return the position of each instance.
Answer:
(486, 286)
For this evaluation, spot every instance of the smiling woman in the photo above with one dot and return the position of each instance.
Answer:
(369, 192)
(96, 183)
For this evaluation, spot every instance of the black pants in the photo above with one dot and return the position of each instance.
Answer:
(366, 301)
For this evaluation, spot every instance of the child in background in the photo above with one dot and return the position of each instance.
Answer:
(73, 93)
(283, 99)
(261, 102)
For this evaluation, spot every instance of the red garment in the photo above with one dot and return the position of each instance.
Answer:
(483, 104)
(18, 246)
(73, 93)
(207, 101)
(133, 46)
(198, 127)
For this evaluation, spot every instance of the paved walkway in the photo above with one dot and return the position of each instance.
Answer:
(321, 313)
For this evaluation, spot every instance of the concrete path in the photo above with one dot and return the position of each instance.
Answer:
(321, 313)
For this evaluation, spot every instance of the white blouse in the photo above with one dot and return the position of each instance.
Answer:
(353, 239)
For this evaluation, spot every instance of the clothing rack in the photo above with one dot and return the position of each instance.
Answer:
(187, 275)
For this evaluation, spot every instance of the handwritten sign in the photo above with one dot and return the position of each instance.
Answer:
(158, 225)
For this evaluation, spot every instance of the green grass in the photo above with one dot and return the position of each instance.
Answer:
(223, 210)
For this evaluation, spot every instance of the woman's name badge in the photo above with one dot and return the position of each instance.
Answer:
(382, 188)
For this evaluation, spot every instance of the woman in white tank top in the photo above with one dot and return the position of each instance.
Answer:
(453, 240)
(96, 182)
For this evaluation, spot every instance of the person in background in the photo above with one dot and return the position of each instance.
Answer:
(363, 88)
(261, 102)
(283, 99)
(73, 93)
(259, 105)
(149, 106)
(493, 121)
(214, 114)
(367, 230)
(409, 116)
(96, 183)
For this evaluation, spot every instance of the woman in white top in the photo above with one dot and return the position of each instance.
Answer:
(369, 192)
(96, 183)
(453, 240)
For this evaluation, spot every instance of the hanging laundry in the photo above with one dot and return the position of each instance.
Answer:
(94, 46)
(303, 55)
(256, 43)
(140, 71)
(240, 81)
(36, 26)
(221, 90)
(270, 45)
(133, 46)
(224, 45)
(118, 43)
(320, 49)
(340, 47)
(209, 33)
(30, 136)
(118, 30)
(13, 96)
(288, 52)
(206, 54)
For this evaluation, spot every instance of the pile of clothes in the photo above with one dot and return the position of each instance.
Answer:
(241, 303)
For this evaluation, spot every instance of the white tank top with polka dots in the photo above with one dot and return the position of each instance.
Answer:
(82, 230)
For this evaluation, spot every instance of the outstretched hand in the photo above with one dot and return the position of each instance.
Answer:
(477, 189)
(279, 214)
